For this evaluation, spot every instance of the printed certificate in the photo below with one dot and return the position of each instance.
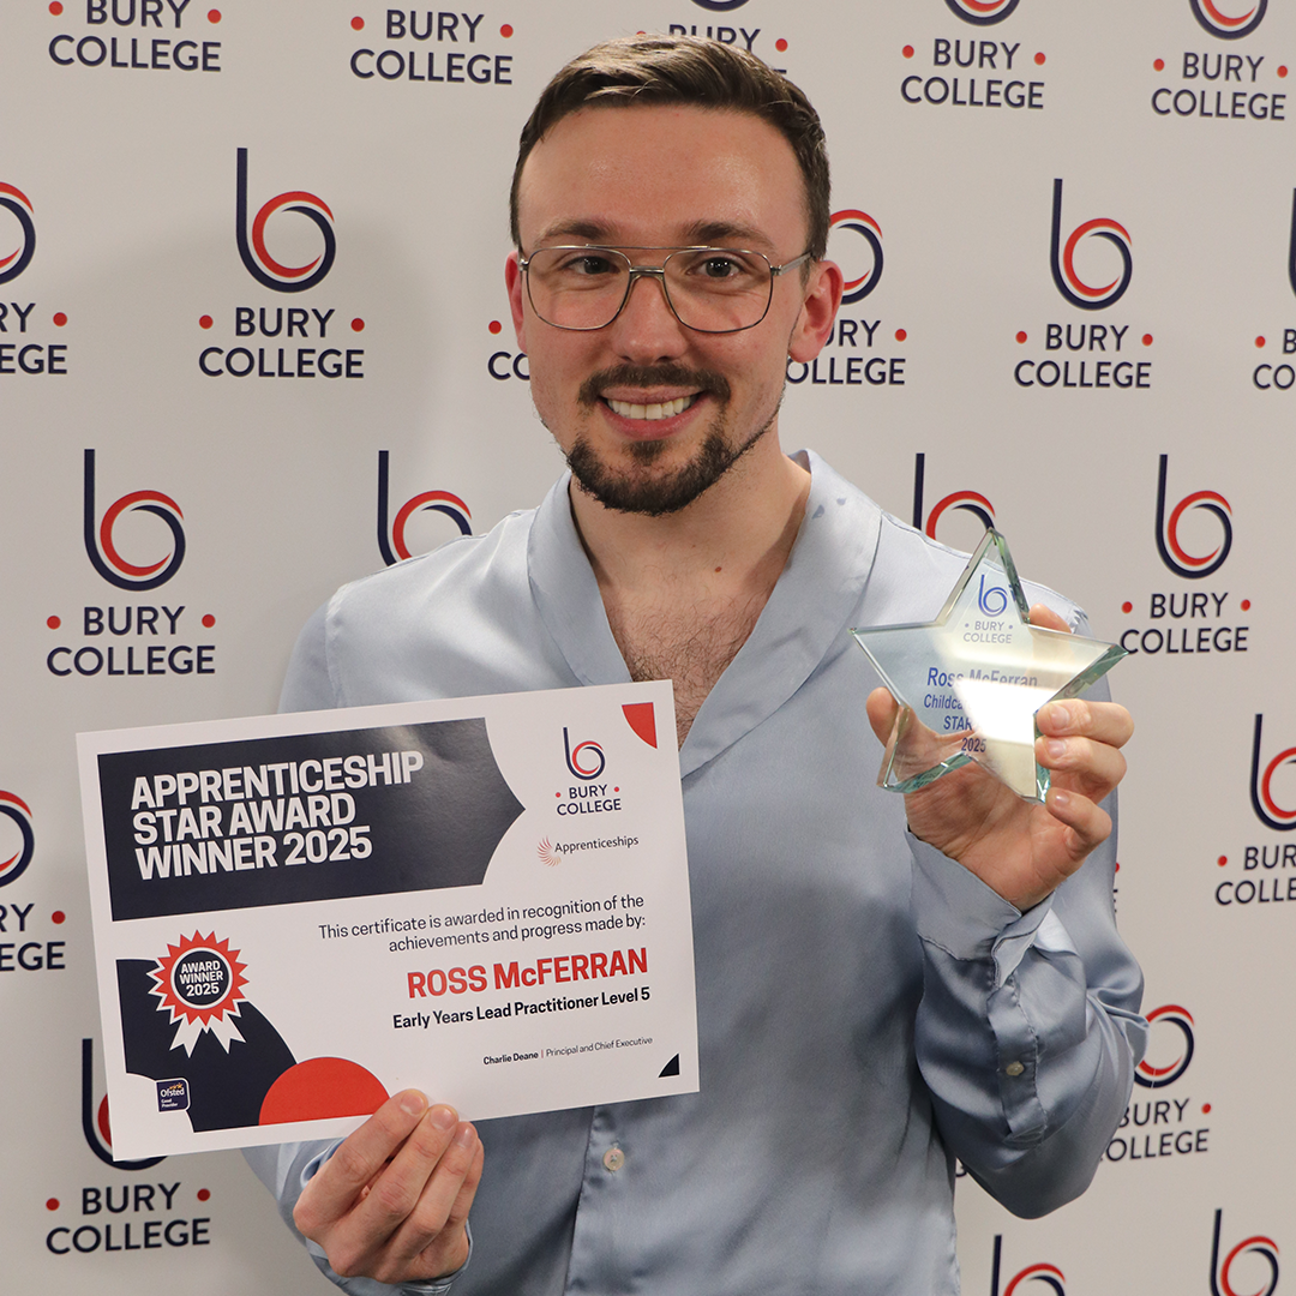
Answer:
(298, 915)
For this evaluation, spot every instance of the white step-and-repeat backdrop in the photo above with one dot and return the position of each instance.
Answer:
(254, 343)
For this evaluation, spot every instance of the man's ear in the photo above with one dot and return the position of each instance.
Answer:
(814, 325)
(513, 281)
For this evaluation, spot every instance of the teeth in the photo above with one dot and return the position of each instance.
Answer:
(667, 409)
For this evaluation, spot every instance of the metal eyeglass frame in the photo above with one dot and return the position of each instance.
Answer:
(654, 272)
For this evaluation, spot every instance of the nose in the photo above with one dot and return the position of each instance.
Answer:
(646, 330)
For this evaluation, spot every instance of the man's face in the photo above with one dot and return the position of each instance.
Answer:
(648, 412)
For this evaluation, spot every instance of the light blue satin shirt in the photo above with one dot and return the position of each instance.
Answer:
(867, 1009)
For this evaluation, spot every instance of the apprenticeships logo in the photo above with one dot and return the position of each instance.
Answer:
(101, 547)
(1062, 258)
(1170, 547)
(17, 810)
(1030, 1281)
(1264, 800)
(392, 543)
(1229, 26)
(984, 13)
(859, 286)
(965, 501)
(19, 205)
(1266, 1249)
(256, 257)
(1146, 1073)
(585, 760)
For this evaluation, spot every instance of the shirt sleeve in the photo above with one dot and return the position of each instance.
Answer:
(285, 1169)
(1028, 1031)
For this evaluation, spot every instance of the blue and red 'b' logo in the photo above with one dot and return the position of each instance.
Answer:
(1157, 1077)
(965, 501)
(859, 286)
(1263, 1248)
(15, 262)
(1229, 26)
(585, 760)
(1062, 258)
(1034, 1280)
(983, 13)
(101, 548)
(391, 539)
(256, 257)
(1172, 552)
(94, 1121)
(1264, 801)
(12, 807)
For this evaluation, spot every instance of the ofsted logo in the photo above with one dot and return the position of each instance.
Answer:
(260, 264)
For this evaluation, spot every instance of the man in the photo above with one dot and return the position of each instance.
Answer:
(872, 1003)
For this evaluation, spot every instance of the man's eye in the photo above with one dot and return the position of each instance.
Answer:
(721, 267)
(590, 266)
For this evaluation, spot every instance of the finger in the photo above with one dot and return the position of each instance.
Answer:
(882, 709)
(1043, 616)
(1090, 767)
(1104, 722)
(358, 1159)
(1089, 824)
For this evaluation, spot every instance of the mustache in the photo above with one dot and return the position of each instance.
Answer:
(662, 375)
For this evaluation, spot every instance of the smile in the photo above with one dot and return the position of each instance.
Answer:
(667, 409)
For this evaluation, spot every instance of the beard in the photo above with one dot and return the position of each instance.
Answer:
(636, 488)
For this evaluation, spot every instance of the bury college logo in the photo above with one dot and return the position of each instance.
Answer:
(982, 12)
(585, 760)
(1265, 1248)
(1244, 19)
(260, 264)
(1172, 551)
(1034, 1280)
(1157, 1077)
(1062, 258)
(391, 540)
(102, 549)
(17, 202)
(1263, 802)
(720, 6)
(94, 1123)
(12, 807)
(1291, 254)
(965, 501)
(856, 289)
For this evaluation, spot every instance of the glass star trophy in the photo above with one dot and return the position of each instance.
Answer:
(970, 682)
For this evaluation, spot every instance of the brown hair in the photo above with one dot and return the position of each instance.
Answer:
(687, 70)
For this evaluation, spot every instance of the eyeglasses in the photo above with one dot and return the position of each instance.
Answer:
(708, 289)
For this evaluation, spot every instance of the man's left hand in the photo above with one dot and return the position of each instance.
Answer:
(1019, 848)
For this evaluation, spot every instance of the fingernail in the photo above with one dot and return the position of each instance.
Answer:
(444, 1118)
(412, 1103)
(466, 1137)
(1056, 747)
(1059, 714)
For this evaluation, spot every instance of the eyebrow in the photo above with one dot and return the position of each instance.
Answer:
(702, 233)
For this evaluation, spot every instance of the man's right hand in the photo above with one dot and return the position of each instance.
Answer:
(392, 1202)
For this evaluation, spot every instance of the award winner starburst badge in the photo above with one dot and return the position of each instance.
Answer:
(970, 682)
(200, 981)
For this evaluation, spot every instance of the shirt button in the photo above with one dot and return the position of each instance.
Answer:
(613, 1159)
(1014, 1069)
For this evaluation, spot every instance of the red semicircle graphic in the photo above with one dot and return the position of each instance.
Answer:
(321, 1088)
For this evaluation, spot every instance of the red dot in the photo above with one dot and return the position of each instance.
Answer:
(56, 8)
(616, 789)
(1147, 339)
(59, 319)
(1282, 69)
(901, 335)
(53, 622)
(1206, 1109)
(1021, 337)
(908, 51)
(1127, 607)
(204, 321)
(208, 621)
(506, 30)
(58, 917)
(1259, 341)
(1223, 859)
(1039, 59)
(204, 1194)
(1159, 64)
(213, 15)
(494, 326)
(53, 1202)
(1246, 605)
(357, 325)
(780, 45)
(558, 795)
(357, 24)
(1117, 866)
